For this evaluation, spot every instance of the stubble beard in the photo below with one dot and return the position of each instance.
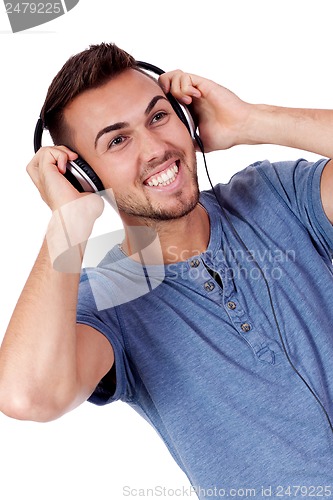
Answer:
(154, 212)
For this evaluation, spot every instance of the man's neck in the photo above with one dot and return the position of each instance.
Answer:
(169, 241)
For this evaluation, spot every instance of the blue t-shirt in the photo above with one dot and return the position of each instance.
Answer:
(232, 369)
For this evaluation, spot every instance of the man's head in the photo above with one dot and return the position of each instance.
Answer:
(119, 120)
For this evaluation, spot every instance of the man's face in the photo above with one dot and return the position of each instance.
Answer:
(130, 135)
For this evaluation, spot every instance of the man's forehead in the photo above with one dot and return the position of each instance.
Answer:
(132, 80)
(128, 85)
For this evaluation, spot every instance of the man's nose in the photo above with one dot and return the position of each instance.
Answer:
(152, 146)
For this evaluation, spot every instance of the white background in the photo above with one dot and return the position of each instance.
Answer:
(277, 52)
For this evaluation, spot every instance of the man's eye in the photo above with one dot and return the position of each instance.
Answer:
(159, 116)
(117, 141)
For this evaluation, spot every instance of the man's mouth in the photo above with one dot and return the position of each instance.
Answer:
(163, 178)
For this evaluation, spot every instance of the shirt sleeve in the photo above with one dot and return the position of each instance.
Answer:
(95, 309)
(297, 184)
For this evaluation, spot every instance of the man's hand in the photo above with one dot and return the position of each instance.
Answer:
(222, 116)
(46, 170)
(73, 213)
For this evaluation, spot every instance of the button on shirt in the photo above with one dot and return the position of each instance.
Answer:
(207, 365)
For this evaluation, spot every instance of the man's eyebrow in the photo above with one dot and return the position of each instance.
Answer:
(153, 102)
(110, 128)
(120, 125)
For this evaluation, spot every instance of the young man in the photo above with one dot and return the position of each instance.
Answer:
(229, 354)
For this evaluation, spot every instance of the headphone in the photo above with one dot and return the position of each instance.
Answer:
(79, 173)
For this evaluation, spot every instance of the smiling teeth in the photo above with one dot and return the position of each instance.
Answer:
(165, 178)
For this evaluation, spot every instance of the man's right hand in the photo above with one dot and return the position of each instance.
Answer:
(73, 213)
(46, 170)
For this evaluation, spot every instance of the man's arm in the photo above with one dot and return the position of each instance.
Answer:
(225, 121)
(48, 364)
(307, 129)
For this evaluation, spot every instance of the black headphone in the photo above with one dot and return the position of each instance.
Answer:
(79, 173)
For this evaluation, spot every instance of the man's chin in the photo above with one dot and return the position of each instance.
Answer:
(177, 210)
(175, 214)
(176, 207)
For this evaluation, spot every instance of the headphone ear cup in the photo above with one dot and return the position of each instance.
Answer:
(83, 177)
(78, 172)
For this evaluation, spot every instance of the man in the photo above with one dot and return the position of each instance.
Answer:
(229, 355)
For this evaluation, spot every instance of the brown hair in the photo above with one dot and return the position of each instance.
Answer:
(87, 70)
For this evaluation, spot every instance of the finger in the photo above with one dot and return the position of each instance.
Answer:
(57, 156)
(165, 81)
(49, 158)
(62, 155)
(186, 86)
(170, 81)
(181, 86)
(71, 154)
(60, 160)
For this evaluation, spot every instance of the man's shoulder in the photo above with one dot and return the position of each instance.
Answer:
(262, 178)
(241, 182)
